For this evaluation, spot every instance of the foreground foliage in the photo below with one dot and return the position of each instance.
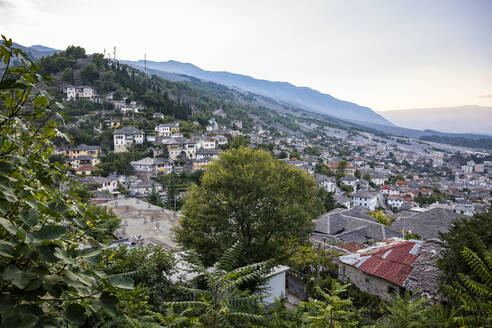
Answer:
(47, 253)
(222, 303)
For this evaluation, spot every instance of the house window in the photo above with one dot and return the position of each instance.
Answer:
(391, 290)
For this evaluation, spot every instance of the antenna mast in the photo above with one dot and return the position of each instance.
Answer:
(145, 64)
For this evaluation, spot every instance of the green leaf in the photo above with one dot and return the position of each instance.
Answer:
(8, 194)
(75, 313)
(7, 303)
(49, 232)
(8, 225)
(21, 234)
(41, 101)
(19, 278)
(28, 320)
(109, 303)
(6, 249)
(31, 217)
(6, 167)
(122, 280)
(7, 83)
(46, 253)
(90, 251)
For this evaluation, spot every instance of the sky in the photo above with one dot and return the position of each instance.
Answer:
(384, 54)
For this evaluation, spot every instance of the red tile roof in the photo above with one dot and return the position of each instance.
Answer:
(389, 262)
(352, 246)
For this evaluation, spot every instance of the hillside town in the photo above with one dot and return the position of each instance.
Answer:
(419, 188)
(132, 200)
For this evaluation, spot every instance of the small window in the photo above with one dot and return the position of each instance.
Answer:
(391, 290)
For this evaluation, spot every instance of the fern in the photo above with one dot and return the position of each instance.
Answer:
(221, 303)
(473, 293)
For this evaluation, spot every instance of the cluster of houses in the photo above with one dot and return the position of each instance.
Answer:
(376, 257)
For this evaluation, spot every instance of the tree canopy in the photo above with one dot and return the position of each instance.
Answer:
(248, 196)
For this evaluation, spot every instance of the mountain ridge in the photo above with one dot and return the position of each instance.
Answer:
(304, 97)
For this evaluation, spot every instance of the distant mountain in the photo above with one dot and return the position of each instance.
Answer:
(302, 97)
(463, 119)
(37, 51)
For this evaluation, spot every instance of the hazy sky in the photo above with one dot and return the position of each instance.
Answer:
(385, 54)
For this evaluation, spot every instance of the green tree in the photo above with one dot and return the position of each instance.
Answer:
(221, 303)
(382, 217)
(248, 196)
(47, 256)
(332, 310)
(75, 52)
(89, 73)
(342, 165)
(154, 198)
(67, 75)
(357, 174)
(473, 292)
(405, 312)
(462, 233)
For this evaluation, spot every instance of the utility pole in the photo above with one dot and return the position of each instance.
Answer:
(145, 64)
(319, 264)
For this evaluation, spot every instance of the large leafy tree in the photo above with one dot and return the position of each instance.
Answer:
(463, 233)
(248, 196)
(47, 256)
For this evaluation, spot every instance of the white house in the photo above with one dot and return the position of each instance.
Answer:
(165, 130)
(205, 153)
(275, 285)
(349, 180)
(180, 148)
(378, 179)
(151, 166)
(237, 124)
(327, 183)
(212, 125)
(206, 142)
(366, 199)
(125, 137)
(144, 188)
(81, 91)
(395, 201)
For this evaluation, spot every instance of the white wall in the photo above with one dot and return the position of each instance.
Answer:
(275, 288)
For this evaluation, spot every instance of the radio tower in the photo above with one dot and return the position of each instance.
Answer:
(145, 64)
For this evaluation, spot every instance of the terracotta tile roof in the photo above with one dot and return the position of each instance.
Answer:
(389, 262)
(352, 246)
(84, 168)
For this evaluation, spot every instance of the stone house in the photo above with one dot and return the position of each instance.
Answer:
(84, 150)
(367, 199)
(125, 137)
(392, 266)
(153, 166)
(352, 225)
(427, 224)
(167, 129)
(327, 183)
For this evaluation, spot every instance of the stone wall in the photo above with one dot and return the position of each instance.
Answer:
(367, 283)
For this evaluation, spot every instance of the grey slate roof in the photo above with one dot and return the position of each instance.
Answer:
(346, 227)
(128, 130)
(427, 224)
(86, 147)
